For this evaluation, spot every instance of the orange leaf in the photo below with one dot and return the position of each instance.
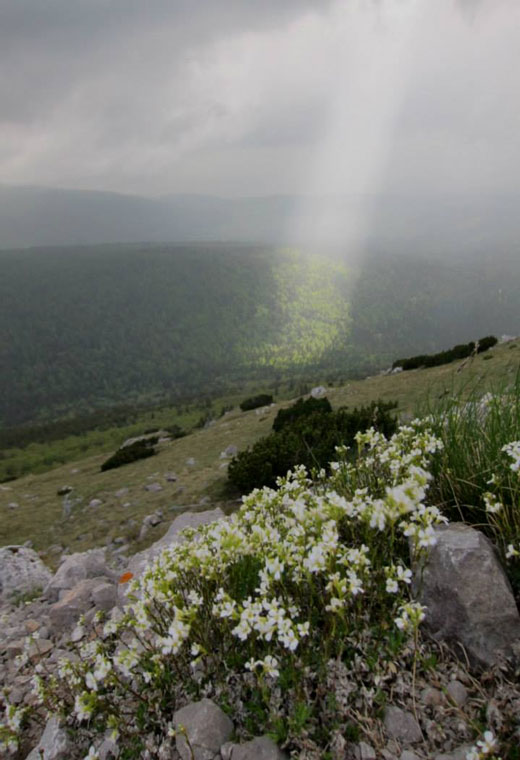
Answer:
(126, 577)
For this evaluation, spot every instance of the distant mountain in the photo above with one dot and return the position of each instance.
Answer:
(422, 226)
(90, 327)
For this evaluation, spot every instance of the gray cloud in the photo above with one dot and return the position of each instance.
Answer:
(246, 97)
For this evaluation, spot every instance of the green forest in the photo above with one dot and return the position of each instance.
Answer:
(87, 328)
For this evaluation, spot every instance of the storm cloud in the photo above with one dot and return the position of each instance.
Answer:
(240, 97)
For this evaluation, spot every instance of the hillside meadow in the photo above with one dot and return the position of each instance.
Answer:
(38, 514)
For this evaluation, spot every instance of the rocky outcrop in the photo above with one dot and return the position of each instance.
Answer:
(76, 568)
(21, 572)
(467, 595)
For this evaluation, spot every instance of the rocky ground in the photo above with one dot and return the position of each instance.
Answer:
(470, 608)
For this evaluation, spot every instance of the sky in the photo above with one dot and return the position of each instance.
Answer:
(260, 97)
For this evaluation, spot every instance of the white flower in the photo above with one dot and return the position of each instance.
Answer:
(92, 754)
(493, 506)
(512, 552)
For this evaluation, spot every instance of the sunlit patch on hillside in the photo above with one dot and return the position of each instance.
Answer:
(309, 308)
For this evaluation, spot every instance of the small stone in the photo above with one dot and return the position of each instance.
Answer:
(431, 697)
(401, 725)
(190, 461)
(457, 754)
(262, 748)
(13, 505)
(363, 751)
(95, 503)
(409, 755)
(153, 487)
(32, 625)
(39, 648)
(458, 693)
(64, 490)
(121, 492)
(205, 725)
(171, 477)
(14, 648)
(77, 634)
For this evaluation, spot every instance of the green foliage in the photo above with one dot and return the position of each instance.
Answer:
(461, 351)
(302, 408)
(307, 434)
(255, 402)
(130, 453)
(473, 478)
(185, 319)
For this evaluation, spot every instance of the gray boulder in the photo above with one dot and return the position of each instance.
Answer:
(53, 745)
(74, 602)
(21, 572)
(201, 729)
(468, 597)
(76, 568)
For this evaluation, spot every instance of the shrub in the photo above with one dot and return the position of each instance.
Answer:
(175, 431)
(461, 351)
(272, 613)
(307, 439)
(264, 399)
(129, 454)
(302, 408)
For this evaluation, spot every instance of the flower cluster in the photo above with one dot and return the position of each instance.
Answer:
(295, 572)
(484, 748)
(513, 450)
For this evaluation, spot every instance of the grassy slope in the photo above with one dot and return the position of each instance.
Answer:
(39, 514)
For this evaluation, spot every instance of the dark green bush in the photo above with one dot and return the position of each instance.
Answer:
(129, 454)
(264, 399)
(176, 431)
(486, 343)
(309, 439)
(461, 351)
(302, 408)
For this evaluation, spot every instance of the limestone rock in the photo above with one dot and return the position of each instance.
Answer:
(262, 748)
(21, 572)
(401, 725)
(75, 602)
(363, 751)
(319, 392)
(468, 597)
(153, 487)
(104, 595)
(53, 745)
(76, 568)
(205, 726)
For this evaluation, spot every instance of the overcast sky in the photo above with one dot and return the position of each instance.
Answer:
(252, 97)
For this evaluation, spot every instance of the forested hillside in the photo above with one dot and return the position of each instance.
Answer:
(89, 327)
